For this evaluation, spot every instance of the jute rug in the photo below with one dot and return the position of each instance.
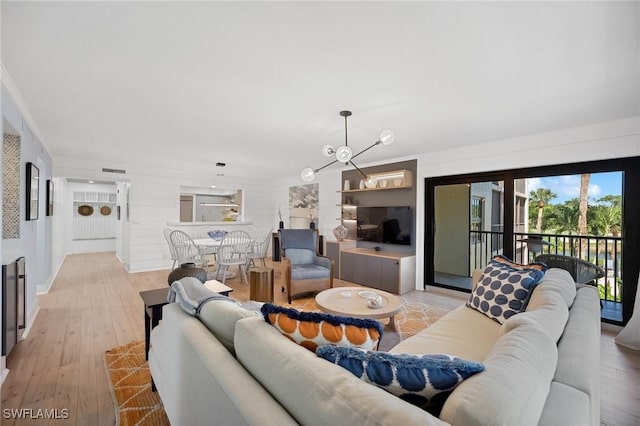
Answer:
(130, 381)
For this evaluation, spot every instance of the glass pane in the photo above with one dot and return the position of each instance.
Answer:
(577, 216)
(468, 230)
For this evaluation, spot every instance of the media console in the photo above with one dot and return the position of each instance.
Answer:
(384, 270)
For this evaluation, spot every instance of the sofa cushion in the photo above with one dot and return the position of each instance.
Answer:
(565, 406)
(313, 390)
(556, 280)
(299, 256)
(506, 261)
(578, 357)
(463, 332)
(418, 379)
(220, 318)
(549, 310)
(513, 388)
(309, 272)
(312, 329)
(503, 291)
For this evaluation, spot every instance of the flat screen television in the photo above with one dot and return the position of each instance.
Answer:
(387, 225)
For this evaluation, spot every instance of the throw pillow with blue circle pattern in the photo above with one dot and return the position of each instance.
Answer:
(419, 379)
(503, 291)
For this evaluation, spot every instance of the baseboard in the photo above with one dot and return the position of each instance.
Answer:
(44, 289)
(447, 292)
(4, 372)
(31, 320)
(610, 327)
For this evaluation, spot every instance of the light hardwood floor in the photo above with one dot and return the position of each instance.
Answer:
(94, 305)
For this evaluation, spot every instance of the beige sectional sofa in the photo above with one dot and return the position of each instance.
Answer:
(230, 367)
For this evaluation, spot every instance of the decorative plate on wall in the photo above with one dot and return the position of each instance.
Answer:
(105, 210)
(85, 210)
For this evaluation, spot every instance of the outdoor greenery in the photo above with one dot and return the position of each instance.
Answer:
(603, 218)
(604, 215)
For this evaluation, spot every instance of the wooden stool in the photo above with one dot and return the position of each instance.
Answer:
(261, 284)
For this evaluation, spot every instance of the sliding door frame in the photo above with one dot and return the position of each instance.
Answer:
(630, 167)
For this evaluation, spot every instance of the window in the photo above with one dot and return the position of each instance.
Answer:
(610, 240)
(477, 214)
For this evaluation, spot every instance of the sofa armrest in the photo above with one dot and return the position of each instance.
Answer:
(324, 261)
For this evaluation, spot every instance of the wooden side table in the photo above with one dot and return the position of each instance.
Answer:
(261, 284)
(154, 300)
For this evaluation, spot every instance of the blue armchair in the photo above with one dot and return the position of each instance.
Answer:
(304, 269)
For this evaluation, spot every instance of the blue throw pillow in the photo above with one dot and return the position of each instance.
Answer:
(419, 379)
(503, 291)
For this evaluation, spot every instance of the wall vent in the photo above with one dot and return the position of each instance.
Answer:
(106, 170)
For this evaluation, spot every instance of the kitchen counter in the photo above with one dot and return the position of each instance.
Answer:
(219, 223)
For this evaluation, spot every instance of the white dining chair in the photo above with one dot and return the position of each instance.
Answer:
(186, 250)
(252, 231)
(233, 251)
(259, 250)
(172, 249)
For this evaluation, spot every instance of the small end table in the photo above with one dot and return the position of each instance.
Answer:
(261, 284)
(154, 300)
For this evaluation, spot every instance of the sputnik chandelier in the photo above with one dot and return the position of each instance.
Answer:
(344, 154)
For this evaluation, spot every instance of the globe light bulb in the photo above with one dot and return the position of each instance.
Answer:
(328, 150)
(387, 137)
(307, 174)
(344, 154)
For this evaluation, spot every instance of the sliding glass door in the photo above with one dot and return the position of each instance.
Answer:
(589, 211)
(468, 229)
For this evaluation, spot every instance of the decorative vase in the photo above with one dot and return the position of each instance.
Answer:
(281, 225)
(361, 186)
(347, 185)
(187, 270)
(312, 225)
(340, 232)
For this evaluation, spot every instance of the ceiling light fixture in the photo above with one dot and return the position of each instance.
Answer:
(344, 154)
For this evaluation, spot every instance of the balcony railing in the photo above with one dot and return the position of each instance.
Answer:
(603, 251)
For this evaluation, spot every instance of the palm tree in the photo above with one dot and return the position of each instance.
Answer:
(607, 219)
(563, 219)
(583, 207)
(541, 197)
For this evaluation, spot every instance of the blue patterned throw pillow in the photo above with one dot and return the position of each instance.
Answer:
(419, 379)
(503, 291)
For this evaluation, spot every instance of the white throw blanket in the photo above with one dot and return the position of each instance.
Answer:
(192, 295)
(630, 334)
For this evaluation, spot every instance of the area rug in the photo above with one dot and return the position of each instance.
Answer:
(130, 381)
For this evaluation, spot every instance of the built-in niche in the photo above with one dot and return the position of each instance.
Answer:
(10, 186)
(94, 215)
(210, 205)
(369, 213)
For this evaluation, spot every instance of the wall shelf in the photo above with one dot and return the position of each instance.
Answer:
(395, 179)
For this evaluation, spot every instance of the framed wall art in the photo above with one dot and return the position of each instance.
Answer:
(33, 191)
(49, 197)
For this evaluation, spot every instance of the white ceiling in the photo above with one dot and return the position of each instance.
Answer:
(259, 85)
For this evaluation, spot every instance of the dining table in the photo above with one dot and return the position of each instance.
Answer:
(211, 246)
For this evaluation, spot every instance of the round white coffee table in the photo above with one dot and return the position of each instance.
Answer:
(352, 302)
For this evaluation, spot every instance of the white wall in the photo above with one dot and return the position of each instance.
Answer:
(154, 201)
(61, 211)
(84, 246)
(616, 139)
(35, 236)
(329, 183)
